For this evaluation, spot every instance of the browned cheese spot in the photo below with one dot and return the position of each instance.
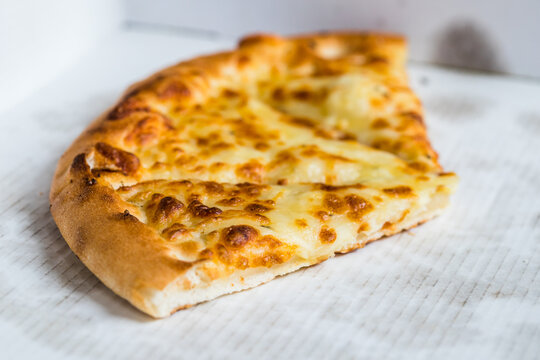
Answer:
(301, 223)
(358, 206)
(223, 254)
(217, 166)
(233, 201)
(334, 203)
(283, 157)
(399, 191)
(198, 209)
(307, 94)
(237, 236)
(269, 260)
(262, 146)
(282, 181)
(257, 208)
(228, 93)
(379, 123)
(363, 227)
(414, 116)
(404, 215)
(175, 232)
(243, 60)
(278, 94)
(382, 144)
(387, 226)
(326, 187)
(313, 150)
(249, 189)
(302, 94)
(419, 166)
(252, 171)
(183, 183)
(322, 215)
(167, 208)
(261, 219)
(335, 134)
(127, 107)
(327, 235)
(206, 254)
(376, 59)
(148, 130)
(174, 89)
(249, 131)
(184, 160)
(241, 262)
(269, 241)
(116, 159)
(189, 247)
(302, 121)
(213, 187)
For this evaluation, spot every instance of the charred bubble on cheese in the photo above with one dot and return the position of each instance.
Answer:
(238, 235)
(242, 246)
(399, 191)
(167, 208)
(249, 189)
(231, 202)
(327, 235)
(213, 187)
(257, 208)
(198, 209)
(109, 158)
(301, 223)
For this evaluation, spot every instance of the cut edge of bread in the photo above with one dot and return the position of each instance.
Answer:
(175, 297)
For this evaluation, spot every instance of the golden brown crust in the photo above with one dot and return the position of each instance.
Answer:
(128, 246)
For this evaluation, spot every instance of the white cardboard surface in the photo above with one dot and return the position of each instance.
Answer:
(463, 286)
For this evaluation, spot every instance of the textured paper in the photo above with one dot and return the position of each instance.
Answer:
(463, 286)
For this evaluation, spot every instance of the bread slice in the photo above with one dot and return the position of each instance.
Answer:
(223, 172)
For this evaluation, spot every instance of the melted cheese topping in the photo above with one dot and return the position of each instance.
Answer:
(278, 163)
